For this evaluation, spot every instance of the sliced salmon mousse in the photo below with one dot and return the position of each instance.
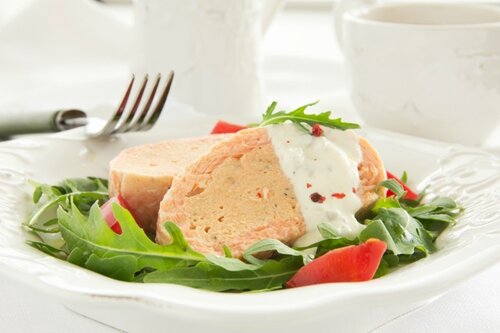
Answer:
(275, 182)
(141, 175)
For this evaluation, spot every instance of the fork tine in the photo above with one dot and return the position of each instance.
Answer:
(155, 115)
(129, 122)
(111, 123)
(122, 121)
(141, 119)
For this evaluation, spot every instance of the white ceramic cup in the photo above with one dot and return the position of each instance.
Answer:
(430, 70)
(212, 45)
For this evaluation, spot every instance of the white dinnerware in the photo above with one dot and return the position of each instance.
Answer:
(424, 69)
(213, 46)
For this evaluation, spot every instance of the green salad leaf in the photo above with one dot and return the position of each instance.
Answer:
(299, 117)
(48, 249)
(437, 215)
(264, 248)
(401, 232)
(330, 241)
(409, 228)
(404, 177)
(92, 236)
(82, 192)
(120, 267)
(394, 186)
(231, 264)
(271, 275)
(268, 245)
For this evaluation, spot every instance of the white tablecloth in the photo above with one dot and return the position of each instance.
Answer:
(302, 64)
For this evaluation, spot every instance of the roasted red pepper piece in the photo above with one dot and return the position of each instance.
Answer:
(316, 130)
(107, 212)
(348, 264)
(222, 127)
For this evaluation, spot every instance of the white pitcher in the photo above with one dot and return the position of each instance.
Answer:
(212, 45)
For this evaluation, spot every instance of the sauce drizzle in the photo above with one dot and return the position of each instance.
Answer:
(330, 162)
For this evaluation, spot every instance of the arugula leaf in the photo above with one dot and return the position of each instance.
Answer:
(93, 236)
(262, 246)
(37, 194)
(267, 245)
(272, 275)
(438, 206)
(444, 203)
(383, 269)
(326, 230)
(230, 264)
(89, 184)
(83, 192)
(404, 177)
(331, 241)
(227, 251)
(299, 117)
(391, 259)
(394, 186)
(121, 267)
(437, 215)
(327, 245)
(50, 250)
(408, 259)
(388, 202)
(401, 232)
(377, 229)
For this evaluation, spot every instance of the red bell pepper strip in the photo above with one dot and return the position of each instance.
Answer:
(107, 212)
(347, 264)
(222, 127)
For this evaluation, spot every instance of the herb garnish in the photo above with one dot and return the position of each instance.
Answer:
(300, 118)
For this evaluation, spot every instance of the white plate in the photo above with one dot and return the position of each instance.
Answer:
(469, 175)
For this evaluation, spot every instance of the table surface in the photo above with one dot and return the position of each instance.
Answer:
(310, 50)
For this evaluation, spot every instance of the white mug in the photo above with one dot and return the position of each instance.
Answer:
(212, 45)
(430, 70)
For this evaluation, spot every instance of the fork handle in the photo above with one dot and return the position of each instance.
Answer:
(40, 122)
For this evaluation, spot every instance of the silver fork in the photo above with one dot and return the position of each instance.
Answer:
(141, 116)
(123, 120)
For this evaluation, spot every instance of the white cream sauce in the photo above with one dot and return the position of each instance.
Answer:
(329, 164)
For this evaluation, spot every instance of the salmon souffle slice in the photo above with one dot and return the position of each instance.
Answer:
(294, 200)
